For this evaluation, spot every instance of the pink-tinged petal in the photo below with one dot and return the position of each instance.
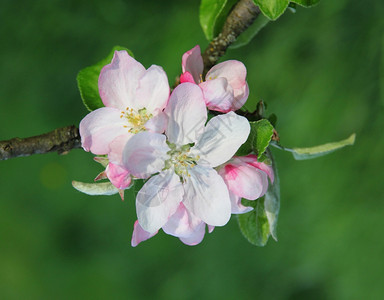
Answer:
(252, 160)
(210, 228)
(233, 70)
(118, 176)
(186, 77)
(101, 127)
(192, 62)
(221, 139)
(235, 73)
(152, 91)
(145, 154)
(116, 148)
(158, 199)
(236, 206)
(218, 95)
(182, 223)
(118, 80)
(186, 113)
(140, 235)
(245, 180)
(196, 237)
(158, 123)
(241, 96)
(206, 196)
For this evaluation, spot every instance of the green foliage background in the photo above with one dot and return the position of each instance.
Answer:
(320, 70)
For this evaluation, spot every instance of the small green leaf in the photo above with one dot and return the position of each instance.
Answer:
(250, 32)
(101, 188)
(213, 14)
(87, 81)
(254, 224)
(258, 139)
(272, 200)
(313, 152)
(272, 9)
(306, 3)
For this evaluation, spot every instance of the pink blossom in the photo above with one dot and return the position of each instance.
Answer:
(134, 100)
(225, 88)
(246, 178)
(185, 158)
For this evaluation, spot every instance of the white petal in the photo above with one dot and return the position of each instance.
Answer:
(221, 139)
(145, 153)
(182, 223)
(196, 237)
(153, 90)
(158, 123)
(236, 206)
(118, 80)
(206, 196)
(187, 114)
(100, 127)
(158, 199)
(218, 95)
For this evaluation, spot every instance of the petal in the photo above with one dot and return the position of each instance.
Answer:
(241, 96)
(118, 80)
(206, 196)
(118, 176)
(158, 199)
(158, 123)
(196, 237)
(116, 148)
(182, 223)
(100, 127)
(236, 206)
(192, 62)
(221, 139)
(140, 235)
(252, 160)
(233, 70)
(153, 90)
(218, 95)
(245, 180)
(186, 77)
(145, 154)
(186, 113)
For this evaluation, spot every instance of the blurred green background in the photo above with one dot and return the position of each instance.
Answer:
(320, 70)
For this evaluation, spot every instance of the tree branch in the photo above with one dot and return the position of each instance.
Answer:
(241, 17)
(61, 140)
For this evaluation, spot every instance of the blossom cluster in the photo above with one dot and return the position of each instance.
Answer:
(192, 178)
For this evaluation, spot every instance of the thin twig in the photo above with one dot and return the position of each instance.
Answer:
(241, 17)
(61, 140)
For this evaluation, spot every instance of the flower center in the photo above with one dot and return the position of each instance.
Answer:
(181, 160)
(136, 119)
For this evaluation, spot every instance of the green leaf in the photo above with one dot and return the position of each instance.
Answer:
(213, 14)
(250, 32)
(272, 200)
(87, 81)
(100, 188)
(272, 9)
(258, 139)
(313, 152)
(254, 224)
(306, 3)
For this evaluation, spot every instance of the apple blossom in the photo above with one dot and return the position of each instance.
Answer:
(225, 88)
(134, 100)
(185, 158)
(246, 178)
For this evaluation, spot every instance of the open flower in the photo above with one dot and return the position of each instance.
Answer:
(134, 99)
(185, 158)
(225, 88)
(246, 178)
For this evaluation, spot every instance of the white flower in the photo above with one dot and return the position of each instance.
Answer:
(185, 158)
